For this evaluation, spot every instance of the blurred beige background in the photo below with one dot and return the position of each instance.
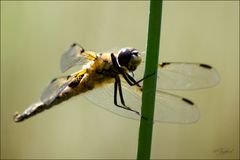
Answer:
(35, 34)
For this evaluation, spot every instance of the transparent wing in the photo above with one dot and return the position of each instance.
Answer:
(174, 109)
(75, 55)
(55, 87)
(104, 98)
(168, 108)
(183, 76)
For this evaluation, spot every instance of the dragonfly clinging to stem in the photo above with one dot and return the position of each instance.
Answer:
(105, 80)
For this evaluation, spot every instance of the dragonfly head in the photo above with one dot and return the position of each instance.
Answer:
(129, 58)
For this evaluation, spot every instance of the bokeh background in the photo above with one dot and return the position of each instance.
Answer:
(35, 34)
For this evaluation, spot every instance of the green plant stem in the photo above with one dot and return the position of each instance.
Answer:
(149, 84)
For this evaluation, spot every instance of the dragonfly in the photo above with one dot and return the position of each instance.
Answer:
(113, 81)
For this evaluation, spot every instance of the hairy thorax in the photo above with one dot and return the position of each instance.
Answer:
(98, 72)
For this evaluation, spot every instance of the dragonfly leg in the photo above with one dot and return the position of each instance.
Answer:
(116, 85)
(115, 93)
(118, 81)
(134, 82)
(130, 80)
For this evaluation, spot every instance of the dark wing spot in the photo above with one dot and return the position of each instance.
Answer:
(54, 79)
(205, 66)
(164, 64)
(74, 44)
(188, 101)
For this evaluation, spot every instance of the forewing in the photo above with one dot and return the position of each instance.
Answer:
(183, 76)
(168, 108)
(75, 55)
(186, 76)
(55, 87)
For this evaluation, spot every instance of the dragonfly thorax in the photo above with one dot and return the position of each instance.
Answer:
(129, 58)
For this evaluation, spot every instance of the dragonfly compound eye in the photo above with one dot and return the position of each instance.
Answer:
(129, 58)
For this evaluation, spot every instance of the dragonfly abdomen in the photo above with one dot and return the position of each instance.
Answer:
(38, 107)
(94, 76)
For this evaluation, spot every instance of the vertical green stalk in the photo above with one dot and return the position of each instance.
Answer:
(149, 84)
